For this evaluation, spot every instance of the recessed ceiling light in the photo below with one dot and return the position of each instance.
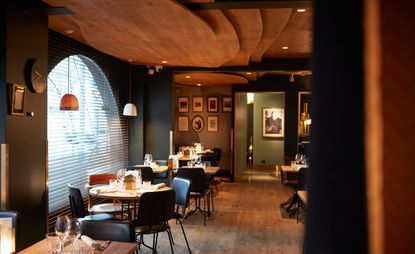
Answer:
(164, 61)
(199, 84)
(301, 10)
(187, 76)
(249, 73)
(284, 47)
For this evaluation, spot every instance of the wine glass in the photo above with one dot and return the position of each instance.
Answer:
(297, 158)
(72, 230)
(198, 159)
(60, 228)
(193, 159)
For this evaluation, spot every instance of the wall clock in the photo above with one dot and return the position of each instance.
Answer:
(35, 80)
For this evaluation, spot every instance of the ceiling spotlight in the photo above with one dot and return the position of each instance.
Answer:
(284, 47)
(292, 78)
(158, 68)
(187, 76)
(199, 84)
(301, 10)
(249, 73)
(164, 62)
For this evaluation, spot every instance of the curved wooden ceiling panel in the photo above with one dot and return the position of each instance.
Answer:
(209, 79)
(248, 26)
(150, 31)
(274, 22)
(297, 35)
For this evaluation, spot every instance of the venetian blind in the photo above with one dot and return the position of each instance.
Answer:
(82, 142)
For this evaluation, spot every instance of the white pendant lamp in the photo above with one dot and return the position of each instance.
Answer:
(129, 108)
(69, 101)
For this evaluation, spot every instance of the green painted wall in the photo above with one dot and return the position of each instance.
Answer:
(267, 151)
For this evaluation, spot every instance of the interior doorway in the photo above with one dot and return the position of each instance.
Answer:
(259, 135)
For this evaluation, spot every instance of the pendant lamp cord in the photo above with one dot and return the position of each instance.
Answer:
(69, 62)
(129, 85)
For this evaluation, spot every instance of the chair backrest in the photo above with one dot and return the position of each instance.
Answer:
(155, 208)
(181, 187)
(76, 201)
(218, 153)
(146, 172)
(302, 179)
(197, 177)
(120, 231)
(96, 179)
(14, 216)
(210, 157)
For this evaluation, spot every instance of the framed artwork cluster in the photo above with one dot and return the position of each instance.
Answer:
(198, 106)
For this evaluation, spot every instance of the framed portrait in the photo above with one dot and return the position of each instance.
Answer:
(212, 104)
(273, 122)
(226, 104)
(183, 104)
(212, 123)
(197, 104)
(183, 123)
(17, 99)
(197, 123)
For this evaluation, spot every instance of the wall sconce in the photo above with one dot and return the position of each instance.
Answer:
(250, 98)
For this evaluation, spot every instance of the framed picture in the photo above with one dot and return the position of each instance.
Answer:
(17, 96)
(183, 123)
(197, 123)
(197, 104)
(183, 104)
(212, 123)
(226, 104)
(273, 122)
(212, 104)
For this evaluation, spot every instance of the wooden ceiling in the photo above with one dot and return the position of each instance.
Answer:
(212, 34)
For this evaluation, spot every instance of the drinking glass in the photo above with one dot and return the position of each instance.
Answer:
(193, 159)
(60, 228)
(198, 159)
(72, 230)
(297, 158)
(53, 242)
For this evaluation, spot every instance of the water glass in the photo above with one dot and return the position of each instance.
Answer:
(113, 183)
(53, 243)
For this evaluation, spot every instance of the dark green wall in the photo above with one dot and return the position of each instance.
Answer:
(3, 90)
(281, 83)
(158, 113)
(136, 137)
(27, 37)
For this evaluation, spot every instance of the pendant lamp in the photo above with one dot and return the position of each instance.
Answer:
(69, 101)
(129, 108)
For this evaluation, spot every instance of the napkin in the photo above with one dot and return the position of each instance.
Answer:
(158, 186)
(93, 244)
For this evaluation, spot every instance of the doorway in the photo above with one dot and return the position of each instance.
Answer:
(259, 146)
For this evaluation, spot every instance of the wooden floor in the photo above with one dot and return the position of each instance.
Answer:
(247, 219)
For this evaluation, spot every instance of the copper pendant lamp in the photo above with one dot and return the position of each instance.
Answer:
(69, 102)
(129, 108)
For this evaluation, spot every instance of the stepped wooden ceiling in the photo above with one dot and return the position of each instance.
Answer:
(149, 32)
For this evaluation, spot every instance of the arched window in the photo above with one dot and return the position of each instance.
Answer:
(85, 141)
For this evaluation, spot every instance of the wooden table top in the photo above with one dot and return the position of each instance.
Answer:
(104, 191)
(208, 170)
(113, 248)
(158, 169)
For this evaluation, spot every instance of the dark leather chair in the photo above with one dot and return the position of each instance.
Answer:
(120, 231)
(146, 172)
(155, 209)
(218, 155)
(14, 216)
(199, 188)
(78, 208)
(181, 187)
(161, 177)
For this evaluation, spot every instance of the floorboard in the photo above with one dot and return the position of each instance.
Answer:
(247, 219)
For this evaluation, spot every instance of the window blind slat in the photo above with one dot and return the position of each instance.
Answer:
(87, 141)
